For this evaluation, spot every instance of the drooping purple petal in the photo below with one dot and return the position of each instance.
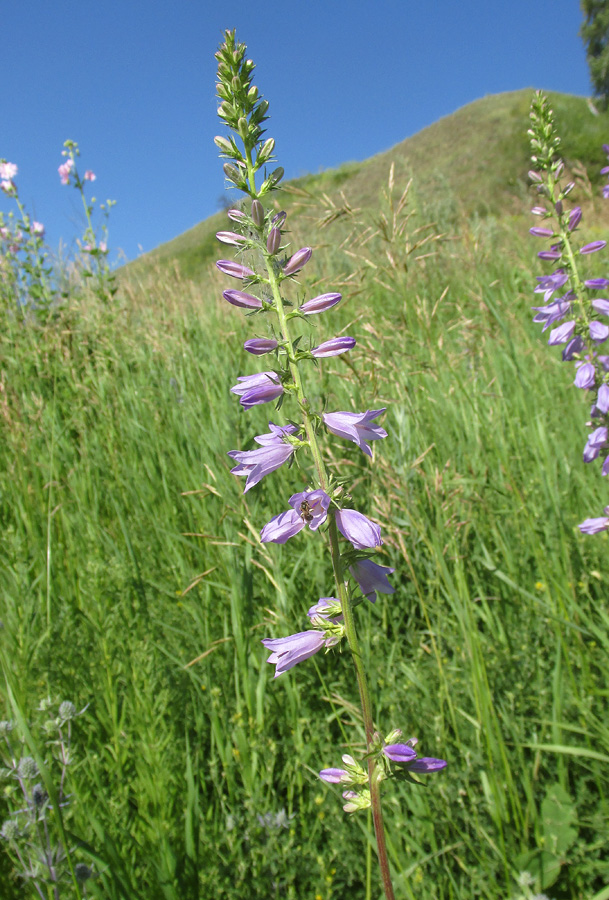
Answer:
(355, 527)
(372, 578)
(356, 427)
(541, 232)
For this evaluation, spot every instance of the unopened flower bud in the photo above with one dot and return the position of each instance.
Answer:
(297, 261)
(243, 300)
(223, 145)
(235, 270)
(320, 304)
(260, 346)
(273, 241)
(257, 213)
(575, 217)
(229, 237)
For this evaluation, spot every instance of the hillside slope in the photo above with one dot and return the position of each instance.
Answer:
(474, 161)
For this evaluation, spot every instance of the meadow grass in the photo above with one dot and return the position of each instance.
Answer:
(133, 580)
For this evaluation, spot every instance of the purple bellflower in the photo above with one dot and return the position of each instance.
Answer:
(358, 529)
(595, 443)
(335, 776)
(308, 508)
(256, 389)
(372, 578)
(287, 652)
(406, 757)
(356, 427)
(273, 453)
(594, 526)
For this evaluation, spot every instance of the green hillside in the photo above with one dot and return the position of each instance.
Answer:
(474, 161)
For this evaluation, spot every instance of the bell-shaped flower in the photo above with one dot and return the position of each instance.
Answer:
(287, 652)
(308, 508)
(594, 526)
(356, 427)
(562, 334)
(586, 375)
(597, 439)
(599, 332)
(256, 389)
(273, 452)
(601, 305)
(372, 578)
(355, 527)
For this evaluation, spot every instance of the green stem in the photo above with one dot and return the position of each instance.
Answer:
(343, 593)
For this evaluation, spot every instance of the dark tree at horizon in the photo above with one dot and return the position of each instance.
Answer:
(595, 35)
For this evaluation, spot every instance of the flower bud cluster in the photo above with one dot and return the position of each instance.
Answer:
(572, 308)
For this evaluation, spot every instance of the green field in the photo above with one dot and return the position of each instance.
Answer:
(132, 578)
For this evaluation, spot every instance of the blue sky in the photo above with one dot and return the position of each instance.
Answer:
(133, 82)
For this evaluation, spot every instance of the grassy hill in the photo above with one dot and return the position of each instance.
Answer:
(473, 162)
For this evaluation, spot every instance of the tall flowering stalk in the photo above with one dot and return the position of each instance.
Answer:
(573, 307)
(257, 235)
(94, 249)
